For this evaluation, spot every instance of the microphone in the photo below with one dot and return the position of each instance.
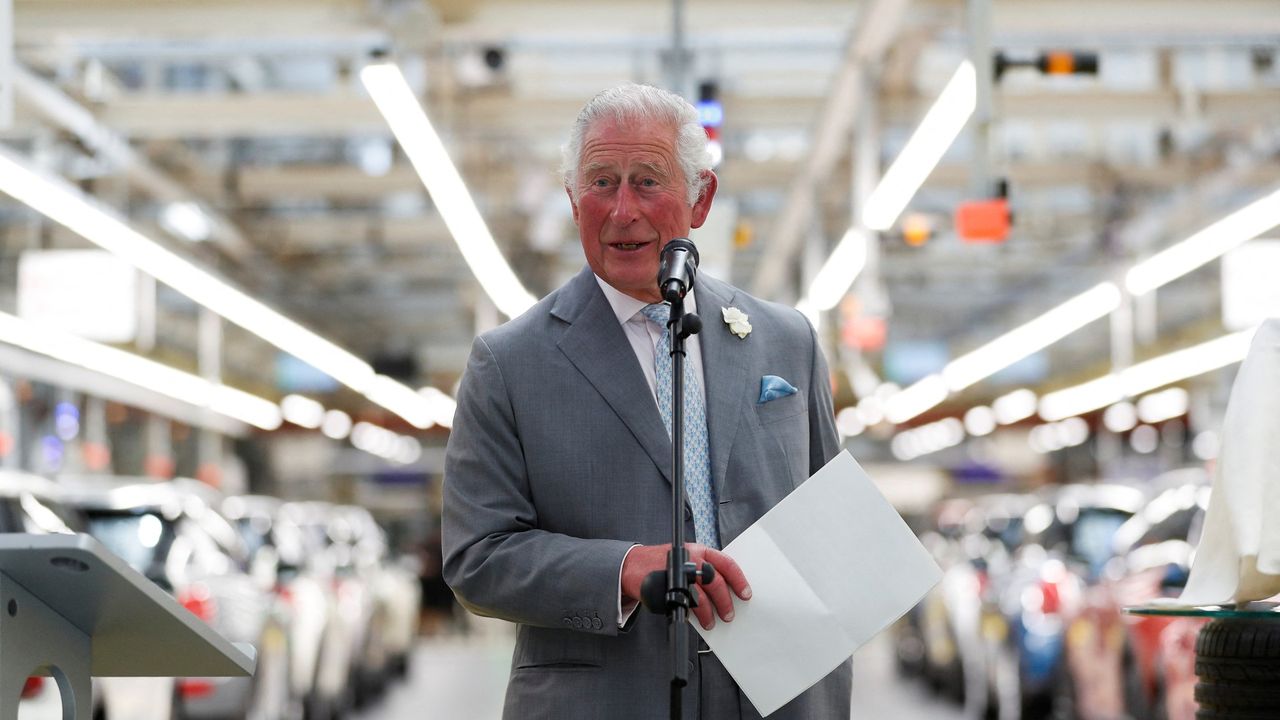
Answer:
(678, 269)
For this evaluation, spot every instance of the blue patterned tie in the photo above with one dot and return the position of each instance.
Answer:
(697, 455)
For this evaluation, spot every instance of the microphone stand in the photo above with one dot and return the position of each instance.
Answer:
(669, 591)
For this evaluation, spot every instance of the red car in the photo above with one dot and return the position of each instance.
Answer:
(1122, 665)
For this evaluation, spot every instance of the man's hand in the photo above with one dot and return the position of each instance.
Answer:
(648, 558)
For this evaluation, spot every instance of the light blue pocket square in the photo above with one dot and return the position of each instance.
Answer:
(773, 387)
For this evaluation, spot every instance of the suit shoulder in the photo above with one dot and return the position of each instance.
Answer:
(523, 331)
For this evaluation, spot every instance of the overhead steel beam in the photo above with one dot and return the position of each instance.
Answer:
(868, 43)
(60, 109)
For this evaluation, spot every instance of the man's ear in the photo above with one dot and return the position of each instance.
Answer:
(701, 206)
(572, 203)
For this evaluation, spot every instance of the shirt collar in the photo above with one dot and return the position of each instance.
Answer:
(626, 307)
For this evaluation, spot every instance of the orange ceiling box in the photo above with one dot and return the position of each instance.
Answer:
(983, 221)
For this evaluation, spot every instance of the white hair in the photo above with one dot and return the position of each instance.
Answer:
(632, 102)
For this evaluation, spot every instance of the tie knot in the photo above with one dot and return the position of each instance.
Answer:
(659, 313)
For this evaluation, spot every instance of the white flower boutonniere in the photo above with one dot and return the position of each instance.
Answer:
(737, 321)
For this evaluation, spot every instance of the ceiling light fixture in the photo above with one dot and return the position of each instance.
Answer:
(140, 371)
(186, 220)
(927, 145)
(1012, 407)
(916, 399)
(98, 223)
(85, 216)
(839, 271)
(398, 105)
(302, 411)
(442, 406)
(1031, 337)
(401, 400)
(1207, 245)
(1145, 376)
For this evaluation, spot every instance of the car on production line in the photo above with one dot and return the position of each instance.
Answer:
(971, 540)
(1138, 665)
(360, 657)
(397, 589)
(172, 533)
(317, 643)
(1067, 541)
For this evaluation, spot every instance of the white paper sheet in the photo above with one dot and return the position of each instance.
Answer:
(829, 567)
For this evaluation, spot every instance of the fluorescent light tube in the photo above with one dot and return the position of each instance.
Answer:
(1147, 375)
(442, 406)
(840, 270)
(1012, 407)
(412, 128)
(336, 424)
(1190, 362)
(302, 411)
(1031, 337)
(401, 400)
(101, 225)
(1209, 244)
(140, 371)
(927, 145)
(915, 399)
(1160, 406)
(186, 220)
(1081, 398)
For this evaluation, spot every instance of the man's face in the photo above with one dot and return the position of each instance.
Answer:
(631, 201)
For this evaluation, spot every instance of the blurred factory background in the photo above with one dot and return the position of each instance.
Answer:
(1035, 237)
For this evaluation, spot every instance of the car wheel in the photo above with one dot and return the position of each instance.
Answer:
(269, 699)
(1238, 666)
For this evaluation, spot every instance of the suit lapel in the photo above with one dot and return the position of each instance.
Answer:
(597, 346)
(725, 370)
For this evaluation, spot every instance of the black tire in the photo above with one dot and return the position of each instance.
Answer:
(1238, 664)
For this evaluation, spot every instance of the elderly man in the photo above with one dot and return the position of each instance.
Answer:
(558, 471)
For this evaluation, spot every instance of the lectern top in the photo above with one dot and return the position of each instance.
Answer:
(137, 629)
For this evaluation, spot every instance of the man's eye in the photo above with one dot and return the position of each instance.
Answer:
(600, 182)
(649, 182)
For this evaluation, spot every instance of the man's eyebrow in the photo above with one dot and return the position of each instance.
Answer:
(654, 168)
(594, 166)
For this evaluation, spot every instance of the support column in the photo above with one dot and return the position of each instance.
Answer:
(209, 442)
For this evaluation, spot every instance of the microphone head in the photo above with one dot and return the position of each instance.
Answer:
(678, 268)
(680, 244)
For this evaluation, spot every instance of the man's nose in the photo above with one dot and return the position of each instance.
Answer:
(624, 205)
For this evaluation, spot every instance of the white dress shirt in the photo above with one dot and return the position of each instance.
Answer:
(644, 336)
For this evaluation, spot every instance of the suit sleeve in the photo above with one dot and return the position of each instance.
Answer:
(824, 441)
(497, 560)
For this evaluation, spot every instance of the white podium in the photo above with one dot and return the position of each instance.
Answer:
(71, 609)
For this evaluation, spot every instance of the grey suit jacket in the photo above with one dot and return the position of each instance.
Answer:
(559, 462)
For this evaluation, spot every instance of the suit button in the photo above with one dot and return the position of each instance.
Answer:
(567, 621)
(595, 623)
(577, 623)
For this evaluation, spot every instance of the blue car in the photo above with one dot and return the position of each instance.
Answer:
(1067, 541)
